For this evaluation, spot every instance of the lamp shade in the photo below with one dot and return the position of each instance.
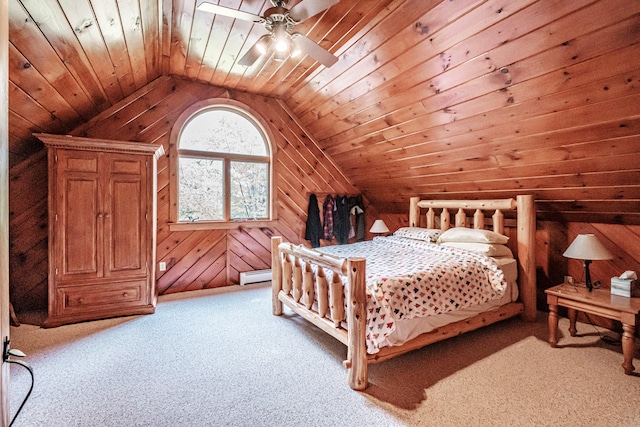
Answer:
(587, 247)
(379, 227)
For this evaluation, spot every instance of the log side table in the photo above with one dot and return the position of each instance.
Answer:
(601, 303)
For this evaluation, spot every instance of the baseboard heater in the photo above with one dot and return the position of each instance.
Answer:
(255, 276)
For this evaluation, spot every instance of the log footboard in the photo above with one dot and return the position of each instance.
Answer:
(319, 296)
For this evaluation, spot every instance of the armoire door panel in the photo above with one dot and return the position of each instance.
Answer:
(80, 219)
(126, 227)
(77, 221)
(127, 207)
(80, 162)
(129, 167)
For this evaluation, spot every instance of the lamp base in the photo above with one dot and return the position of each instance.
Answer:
(587, 276)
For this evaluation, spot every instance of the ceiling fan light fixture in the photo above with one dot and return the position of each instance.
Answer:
(295, 49)
(282, 39)
(282, 46)
(264, 44)
(280, 56)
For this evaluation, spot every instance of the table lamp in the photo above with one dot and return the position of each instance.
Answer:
(379, 227)
(587, 247)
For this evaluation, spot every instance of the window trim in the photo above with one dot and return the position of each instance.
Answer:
(174, 144)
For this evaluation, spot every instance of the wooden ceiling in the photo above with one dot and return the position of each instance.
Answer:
(436, 98)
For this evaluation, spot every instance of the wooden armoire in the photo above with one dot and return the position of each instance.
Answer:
(102, 228)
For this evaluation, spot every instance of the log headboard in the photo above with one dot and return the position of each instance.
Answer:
(524, 206)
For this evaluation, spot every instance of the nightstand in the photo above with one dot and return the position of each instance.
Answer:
(601, 303)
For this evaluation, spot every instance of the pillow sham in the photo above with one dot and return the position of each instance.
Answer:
(489, 249)
(463, 234)
(418, 233)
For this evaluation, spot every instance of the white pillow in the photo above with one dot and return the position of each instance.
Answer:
(418, 233)
(463, 234)
(488, 249)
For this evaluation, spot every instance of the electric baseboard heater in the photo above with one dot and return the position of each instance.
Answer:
(255, 276)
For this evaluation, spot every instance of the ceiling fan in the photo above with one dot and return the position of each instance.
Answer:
(280, 22)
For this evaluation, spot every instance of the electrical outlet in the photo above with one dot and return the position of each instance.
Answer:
(162, 266)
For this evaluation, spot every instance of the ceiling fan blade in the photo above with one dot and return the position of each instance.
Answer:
(233, 13)
(250, 57)
(314, 50)
(308, 8)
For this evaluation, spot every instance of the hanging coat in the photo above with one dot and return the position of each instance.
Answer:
(314, 227)
(351, 201)
(341, 220)
(357, 210)
(328, 208)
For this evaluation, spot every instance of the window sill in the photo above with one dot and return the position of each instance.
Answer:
(219, 225)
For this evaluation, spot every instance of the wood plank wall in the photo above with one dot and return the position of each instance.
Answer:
(195, 259)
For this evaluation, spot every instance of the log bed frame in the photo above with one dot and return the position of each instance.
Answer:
(324, 304)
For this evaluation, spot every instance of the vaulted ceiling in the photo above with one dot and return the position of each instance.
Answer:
(484, 98)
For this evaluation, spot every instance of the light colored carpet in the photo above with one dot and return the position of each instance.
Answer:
(219, 358)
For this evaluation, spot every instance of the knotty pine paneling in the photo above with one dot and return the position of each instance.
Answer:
(69, 60)
(28, 233)
(486, 99)
(187, 255)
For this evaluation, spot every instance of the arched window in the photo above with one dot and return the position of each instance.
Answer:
(223, 167)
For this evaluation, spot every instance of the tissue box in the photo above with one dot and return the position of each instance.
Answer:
(624, 287)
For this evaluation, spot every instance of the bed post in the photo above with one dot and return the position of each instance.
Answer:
(276, 276)
(356, 362)
(414, 212)
(527, 255)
